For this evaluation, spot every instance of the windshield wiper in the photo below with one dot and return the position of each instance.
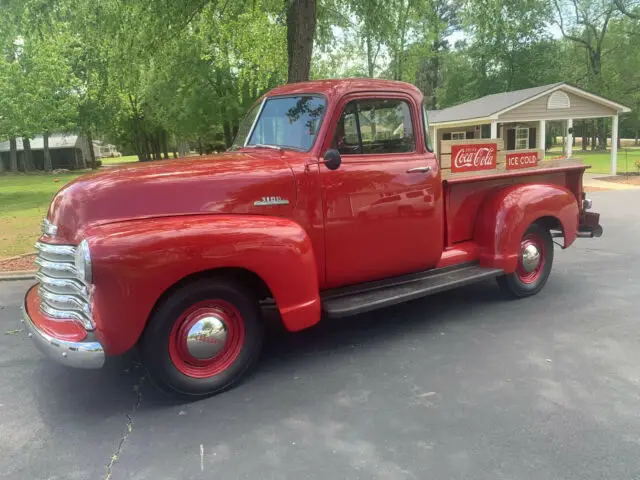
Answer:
(263, 145)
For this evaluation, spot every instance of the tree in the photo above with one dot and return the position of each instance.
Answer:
(585, 22)
(629, 8)
(439, 20)
(301, 27)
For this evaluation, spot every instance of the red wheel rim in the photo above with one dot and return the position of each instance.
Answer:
(188, 337)
(524, 273)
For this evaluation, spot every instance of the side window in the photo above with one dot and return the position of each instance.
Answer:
(375, 126)
(385, 126)
(346, 138)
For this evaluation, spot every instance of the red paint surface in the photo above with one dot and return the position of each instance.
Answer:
(68, 330)
(507, 212)
(461, 253)
(471, 158)
(381, 220)
(152, 225)
(522, 160)
(465, 199)
(135, 262)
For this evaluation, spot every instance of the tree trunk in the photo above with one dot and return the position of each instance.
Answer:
(585, 136)
(158, 145)
(370, 61)
(228, 137)
(28, 155)
(92, 154)
(593, 135)
(165, 147)
(145, 146)
(602, 135)
(637, 138)
(48, 165)
(301, 28)
(13, 154)
(175, 154)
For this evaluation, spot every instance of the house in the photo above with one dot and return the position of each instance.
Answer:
(520, 117)
(68, 150)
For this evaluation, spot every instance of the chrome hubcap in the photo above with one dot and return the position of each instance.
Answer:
(530, 258)
(207, 337)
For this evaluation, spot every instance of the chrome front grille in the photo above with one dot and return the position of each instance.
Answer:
(63, 296)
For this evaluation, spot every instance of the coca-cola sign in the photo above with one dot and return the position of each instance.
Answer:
(469, 158)
(522, 160)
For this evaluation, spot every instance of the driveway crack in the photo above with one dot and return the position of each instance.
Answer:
(128, 428)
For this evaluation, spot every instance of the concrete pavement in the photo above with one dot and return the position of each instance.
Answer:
(593, 180)
(462, 385)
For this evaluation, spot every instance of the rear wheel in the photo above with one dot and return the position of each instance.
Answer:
(203, 338)
(535, 259)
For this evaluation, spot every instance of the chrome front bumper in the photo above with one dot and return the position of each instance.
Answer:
(72, 354)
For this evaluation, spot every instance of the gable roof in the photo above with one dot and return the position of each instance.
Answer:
(492, 105)
(56, 141)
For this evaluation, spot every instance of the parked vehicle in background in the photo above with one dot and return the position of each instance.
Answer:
(330, 203)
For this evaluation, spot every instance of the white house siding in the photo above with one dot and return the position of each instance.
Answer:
(537, 110)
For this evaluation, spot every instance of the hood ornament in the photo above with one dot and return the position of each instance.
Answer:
(268, 201)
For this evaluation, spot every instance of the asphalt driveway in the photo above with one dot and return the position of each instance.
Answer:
(462, 385)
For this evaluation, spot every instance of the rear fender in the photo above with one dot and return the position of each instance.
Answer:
(507, 213)
(135, 262)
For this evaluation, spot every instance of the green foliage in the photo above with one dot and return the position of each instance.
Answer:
(156, 75)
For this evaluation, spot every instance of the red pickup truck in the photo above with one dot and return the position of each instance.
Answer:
(330, 203)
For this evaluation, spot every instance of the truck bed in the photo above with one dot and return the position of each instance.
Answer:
(465, 192)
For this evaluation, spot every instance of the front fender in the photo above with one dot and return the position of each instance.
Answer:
(507, 213)
(135, 262)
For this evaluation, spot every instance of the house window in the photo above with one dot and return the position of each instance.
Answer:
(522, 138)
(458, 135)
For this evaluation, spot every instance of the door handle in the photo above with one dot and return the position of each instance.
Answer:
(419, 170)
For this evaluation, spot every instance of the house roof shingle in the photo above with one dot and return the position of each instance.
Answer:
(56, 140)
(487, 106)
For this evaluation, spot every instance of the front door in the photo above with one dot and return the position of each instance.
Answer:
(383, 205)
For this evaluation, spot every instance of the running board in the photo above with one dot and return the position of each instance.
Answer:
(373, 295)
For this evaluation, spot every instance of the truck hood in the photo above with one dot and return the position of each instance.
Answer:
(257, 182)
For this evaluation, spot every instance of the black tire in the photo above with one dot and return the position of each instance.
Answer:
(160, 331)
(514, 284)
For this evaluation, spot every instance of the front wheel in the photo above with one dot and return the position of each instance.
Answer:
(203, 338)
(535, 259)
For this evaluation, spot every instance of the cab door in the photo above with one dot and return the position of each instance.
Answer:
(383, 205)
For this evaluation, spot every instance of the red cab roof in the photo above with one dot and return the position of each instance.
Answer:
(338, 87)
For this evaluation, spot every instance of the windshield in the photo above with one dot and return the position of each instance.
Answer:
(286, 122)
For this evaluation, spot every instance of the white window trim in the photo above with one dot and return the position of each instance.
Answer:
(519, 129)
(463, 133)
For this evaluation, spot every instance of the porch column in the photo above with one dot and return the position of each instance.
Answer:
(494, 129)
(542, 135)
(569, 138)
(614, 145)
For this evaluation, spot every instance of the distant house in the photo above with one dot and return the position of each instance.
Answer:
(68, 150)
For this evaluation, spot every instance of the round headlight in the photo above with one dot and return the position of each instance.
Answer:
(83, 262)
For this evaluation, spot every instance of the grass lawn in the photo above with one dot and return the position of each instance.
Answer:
(119, 160)
(601, 161)
(24, 200)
